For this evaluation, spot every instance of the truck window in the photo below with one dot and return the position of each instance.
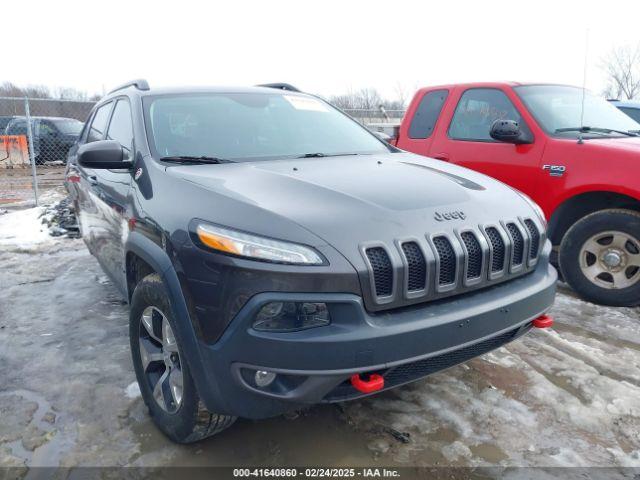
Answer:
(18, 127)
(477, 109)
(47, 129)
(120, 127)
(427, 113)
(99, 123)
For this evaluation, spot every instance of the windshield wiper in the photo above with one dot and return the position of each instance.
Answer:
(195, 159)
(596, 130)
(320, 154)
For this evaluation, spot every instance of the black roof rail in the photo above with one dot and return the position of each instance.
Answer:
(280, 86)
(140, 84)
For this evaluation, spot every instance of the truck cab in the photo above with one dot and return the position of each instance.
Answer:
(572, 152)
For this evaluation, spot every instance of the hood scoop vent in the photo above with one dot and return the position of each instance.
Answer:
(463, 182)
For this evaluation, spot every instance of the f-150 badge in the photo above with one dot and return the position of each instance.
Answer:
(555, 170)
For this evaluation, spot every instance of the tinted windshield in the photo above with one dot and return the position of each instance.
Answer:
(558, 107)
(71, 127)
(252, 126)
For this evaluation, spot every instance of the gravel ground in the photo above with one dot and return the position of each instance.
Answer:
(566, 396)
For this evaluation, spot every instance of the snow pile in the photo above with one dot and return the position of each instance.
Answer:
(23, 228)
(35, 226)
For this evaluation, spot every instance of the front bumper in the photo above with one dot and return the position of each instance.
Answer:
(402, 345)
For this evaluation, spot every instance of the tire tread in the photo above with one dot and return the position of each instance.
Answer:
(151, 290)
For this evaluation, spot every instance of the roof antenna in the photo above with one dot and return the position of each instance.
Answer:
(584, 85)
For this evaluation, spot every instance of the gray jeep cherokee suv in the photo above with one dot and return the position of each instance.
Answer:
(276, 254)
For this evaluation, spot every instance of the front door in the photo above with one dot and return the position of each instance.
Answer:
(113, 191)
(468, 143)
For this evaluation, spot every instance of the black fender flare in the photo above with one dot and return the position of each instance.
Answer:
(158, 259)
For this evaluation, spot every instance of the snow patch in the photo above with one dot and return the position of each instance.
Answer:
(132, 390)
(456, 450)
(23, 228)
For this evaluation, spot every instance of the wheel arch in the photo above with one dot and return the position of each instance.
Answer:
(578, 205)
(147, 256)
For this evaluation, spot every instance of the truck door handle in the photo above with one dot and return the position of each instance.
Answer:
(93, 180)
(442, 156)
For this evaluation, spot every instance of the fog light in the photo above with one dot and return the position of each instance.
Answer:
(264, 378)
(291, 316)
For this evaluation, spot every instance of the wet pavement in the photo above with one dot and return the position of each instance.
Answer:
(567, 396)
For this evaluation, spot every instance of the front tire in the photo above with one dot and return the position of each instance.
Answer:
(162, 372)
(600, 257)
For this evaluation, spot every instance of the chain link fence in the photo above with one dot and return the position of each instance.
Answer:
(35, 137)
(373, 116)
(379, 121)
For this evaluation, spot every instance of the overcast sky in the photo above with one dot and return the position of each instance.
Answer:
(325, 47)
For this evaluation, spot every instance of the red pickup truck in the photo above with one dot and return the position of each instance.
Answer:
(572, 152)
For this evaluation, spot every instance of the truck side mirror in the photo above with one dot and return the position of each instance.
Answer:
(106, 154)
(508, 131)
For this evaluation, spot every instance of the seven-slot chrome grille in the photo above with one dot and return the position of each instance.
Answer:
(446, 264)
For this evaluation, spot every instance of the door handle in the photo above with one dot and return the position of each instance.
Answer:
(442, 156)
(93, 180)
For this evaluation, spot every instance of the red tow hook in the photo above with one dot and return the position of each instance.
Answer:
(374, 383)
(543, 321)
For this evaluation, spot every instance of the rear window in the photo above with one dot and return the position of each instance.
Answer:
(17, 127)
(426, 116)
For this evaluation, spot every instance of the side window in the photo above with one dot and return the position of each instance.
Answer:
(426, 116)
(120, 127)
(47, 129)
(477, 109)
(99, 123)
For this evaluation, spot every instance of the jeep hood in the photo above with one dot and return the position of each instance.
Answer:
(350, 200)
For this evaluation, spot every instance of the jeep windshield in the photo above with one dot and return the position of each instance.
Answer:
(252, 126)
(558, 110)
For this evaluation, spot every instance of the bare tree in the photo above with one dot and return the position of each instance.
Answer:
(401, 95)
(8, 89)
(367, 99)
(622, 66)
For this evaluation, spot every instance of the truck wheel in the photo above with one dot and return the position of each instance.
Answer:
(163, 374)
(600, 257)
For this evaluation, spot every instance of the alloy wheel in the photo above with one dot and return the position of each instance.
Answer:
(161, 359)
(611, 260)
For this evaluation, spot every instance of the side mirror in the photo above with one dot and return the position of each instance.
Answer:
(103, 154)
(508, 131)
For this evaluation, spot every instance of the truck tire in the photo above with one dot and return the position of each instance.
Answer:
(600, 257)
(163, 375)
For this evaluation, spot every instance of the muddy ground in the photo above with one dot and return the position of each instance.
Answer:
(566, 396)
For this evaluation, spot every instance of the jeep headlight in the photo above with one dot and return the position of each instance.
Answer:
(255, 247)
